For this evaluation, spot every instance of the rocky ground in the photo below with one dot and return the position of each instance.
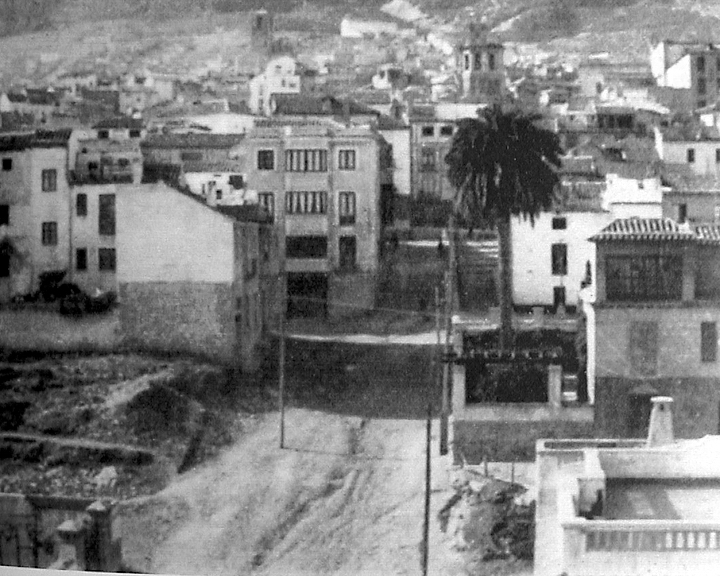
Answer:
(178, 409)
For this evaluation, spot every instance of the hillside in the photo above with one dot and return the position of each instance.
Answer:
(40, 37)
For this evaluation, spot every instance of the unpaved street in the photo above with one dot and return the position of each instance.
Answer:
(345, 497)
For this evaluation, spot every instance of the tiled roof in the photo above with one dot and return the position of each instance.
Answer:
(193, 140)
(120, 122)
(708, 233)
(655, 229)
(298, 104)
(386, 122)
(37, 139)
(219, 167)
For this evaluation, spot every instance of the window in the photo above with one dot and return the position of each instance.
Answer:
(682, 213)
(446, 130)
(81, 205)
(266, 160)
(346, 160)
(103, 134)
(559, 259)
(191, 156)
(491, 61)
(237, 181)
(106, 215)
(4, 215)
(428, 131)
(700, 64)
(7, 164)
(218, 194)
(106, 259)
(49, 234)
(4, 263)
(346, 208)
(701, 103)
(267, 201)
(427, 159)
(708, 341)
(306, 247)
(702, 86)
(49, 180)
(643, 347)
(306, 202)
(717, 155)
(306, 160)
(559, 223)
(466, 59)
(691, 155)
(81, 259)
(134, 133)
(637, 278)
(123, 162)
(348, 250)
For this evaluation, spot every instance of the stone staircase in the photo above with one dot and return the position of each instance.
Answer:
(477, 274)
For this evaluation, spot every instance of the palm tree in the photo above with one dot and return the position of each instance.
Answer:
(502, 164)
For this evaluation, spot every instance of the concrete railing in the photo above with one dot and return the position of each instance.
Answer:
(610, 547)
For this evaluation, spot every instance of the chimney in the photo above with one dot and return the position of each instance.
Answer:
(660, 432)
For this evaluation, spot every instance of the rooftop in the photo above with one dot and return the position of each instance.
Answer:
(120, 122)
(36, 139)
(193, 140)
(216, 167)
(647, 229)
(299, 104)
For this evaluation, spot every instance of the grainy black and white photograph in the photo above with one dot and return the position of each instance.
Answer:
(360, 287)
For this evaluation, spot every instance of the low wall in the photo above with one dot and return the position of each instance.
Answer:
(47, 330)
(695, 406)
(509, 439)
(180, 317)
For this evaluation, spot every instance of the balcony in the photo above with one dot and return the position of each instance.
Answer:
(80, 178)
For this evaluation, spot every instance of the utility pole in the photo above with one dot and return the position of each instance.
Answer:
(281, 359)
(426, 523)
(449, 304)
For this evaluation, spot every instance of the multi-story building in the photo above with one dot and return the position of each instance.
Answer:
(322, 185)
(34, 209)
(432, 127)
(691, 66)
(189, 278)
(653, 326)
(697, 148)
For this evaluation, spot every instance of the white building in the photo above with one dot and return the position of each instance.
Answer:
(280, 77)
(553, 259)
(219, 183)
(699, 151)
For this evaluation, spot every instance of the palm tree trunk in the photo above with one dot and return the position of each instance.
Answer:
(506, 293)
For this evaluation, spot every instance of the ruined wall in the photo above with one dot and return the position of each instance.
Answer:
(183, 317)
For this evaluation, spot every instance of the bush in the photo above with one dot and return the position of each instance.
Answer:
(49, 284)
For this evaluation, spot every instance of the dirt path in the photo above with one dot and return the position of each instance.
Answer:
(345, 497)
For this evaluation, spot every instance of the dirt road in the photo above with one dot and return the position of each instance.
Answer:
(345, 497)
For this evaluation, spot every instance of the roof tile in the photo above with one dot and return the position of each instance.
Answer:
(654, 229)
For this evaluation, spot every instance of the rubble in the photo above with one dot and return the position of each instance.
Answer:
(485, 515)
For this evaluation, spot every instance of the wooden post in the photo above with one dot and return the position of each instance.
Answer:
(426, 523)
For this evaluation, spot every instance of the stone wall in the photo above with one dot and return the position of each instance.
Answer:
(180, 317)
(351, 294)
(695, 407)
